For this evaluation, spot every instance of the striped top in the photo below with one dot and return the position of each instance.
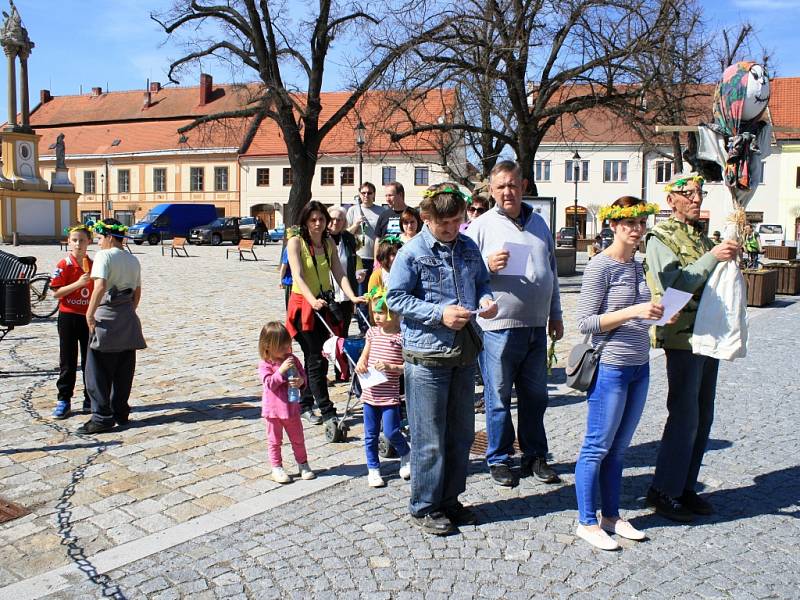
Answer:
(388, 348)
(609, 285)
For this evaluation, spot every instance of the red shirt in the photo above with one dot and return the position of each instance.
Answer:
(69, 271)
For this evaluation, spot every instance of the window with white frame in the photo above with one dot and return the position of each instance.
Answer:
(615, 171)
(159, 180)
(541, 170)
(196, 179)
(89, 182)
(124, 181)
(389, 175)
(221, 179)
(421, 176)
(663, 171)
(569, 170)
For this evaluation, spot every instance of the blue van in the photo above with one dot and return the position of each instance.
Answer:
(166, 221)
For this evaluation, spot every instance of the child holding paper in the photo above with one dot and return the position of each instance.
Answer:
(383, 351)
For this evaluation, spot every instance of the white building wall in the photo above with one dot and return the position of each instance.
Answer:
(336, 194)
(778, 198)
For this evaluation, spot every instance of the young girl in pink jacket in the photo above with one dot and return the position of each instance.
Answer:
(282, 375)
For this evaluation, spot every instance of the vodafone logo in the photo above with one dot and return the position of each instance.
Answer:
(84, 292)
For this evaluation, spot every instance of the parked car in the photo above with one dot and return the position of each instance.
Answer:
(276, 235)
(222, 229)
(771, 235)
(565, 237)
(166, 221)
(248, 227)
(608, 236)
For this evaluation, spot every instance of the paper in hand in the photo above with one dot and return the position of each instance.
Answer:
(518, 256)
(673, 301)
(371, 378)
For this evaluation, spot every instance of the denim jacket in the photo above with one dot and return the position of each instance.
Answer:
(426, 276)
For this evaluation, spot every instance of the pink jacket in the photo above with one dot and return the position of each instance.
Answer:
(274, 399)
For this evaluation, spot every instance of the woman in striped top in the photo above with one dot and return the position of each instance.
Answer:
(383, 352)
(614, 307)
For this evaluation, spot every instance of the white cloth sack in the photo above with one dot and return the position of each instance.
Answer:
(720, 328)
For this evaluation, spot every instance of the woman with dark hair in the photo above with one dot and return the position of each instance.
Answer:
(313, 258)
(410, 224)
(615, 308)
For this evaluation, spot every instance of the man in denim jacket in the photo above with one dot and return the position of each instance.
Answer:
(436, 281)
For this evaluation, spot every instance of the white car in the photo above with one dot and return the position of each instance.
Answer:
(770, 235)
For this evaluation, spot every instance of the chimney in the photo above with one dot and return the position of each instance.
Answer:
(146, 101)
(155, 86)
(205, 89)
(44, 96)
(97, 91)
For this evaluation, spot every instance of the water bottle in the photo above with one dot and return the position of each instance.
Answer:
(294, 393)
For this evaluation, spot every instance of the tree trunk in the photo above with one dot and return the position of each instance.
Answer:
(303, 166)
(525, 159)
(677, 152)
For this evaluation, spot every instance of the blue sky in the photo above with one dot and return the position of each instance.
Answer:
(114, 44)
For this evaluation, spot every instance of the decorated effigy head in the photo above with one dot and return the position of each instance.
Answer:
(741, 96)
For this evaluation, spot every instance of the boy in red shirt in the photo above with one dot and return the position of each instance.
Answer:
(72, 286)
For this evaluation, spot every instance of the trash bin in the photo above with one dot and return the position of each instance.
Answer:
(15, 302)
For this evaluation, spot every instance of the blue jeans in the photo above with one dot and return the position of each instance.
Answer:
(515, 357)
(616, 401)
(690, 406)
(441, 415)
(390, 416)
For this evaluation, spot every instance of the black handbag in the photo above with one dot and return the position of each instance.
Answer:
(582, 363)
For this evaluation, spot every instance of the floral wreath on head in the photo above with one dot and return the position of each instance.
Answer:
(117, 231)
(429, 193)
(392, 239)
(378, 295)
(80, 227)
(679, 184)
(615, 213)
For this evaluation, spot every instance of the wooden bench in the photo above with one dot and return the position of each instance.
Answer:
(244, 247)
(63, 245)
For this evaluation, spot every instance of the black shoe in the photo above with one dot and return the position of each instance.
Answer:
(435, 523)
(92, 427)
(121, 419)
(460, 515)
(536, 466)
(503, 475)
(695, 503)
(668, 507)
(310, 417)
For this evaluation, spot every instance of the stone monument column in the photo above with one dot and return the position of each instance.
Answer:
(24, 53)
(11, 54)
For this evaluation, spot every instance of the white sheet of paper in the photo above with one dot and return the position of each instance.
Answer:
(371, 378)
(518, 256)
(673, 301)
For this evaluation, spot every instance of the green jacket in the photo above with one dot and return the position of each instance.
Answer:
(677, 257)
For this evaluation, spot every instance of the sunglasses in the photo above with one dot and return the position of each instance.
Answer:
(477, 209)
(688, 194)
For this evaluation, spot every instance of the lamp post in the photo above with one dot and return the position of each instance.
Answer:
(361, 131)
(576, 173)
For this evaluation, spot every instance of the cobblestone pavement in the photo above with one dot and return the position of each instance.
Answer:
(179, 503)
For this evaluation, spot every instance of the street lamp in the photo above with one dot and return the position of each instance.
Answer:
(361, 132)
(576, 173)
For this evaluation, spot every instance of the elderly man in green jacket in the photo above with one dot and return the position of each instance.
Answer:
(680, 256)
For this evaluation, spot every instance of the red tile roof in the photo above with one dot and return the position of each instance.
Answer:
(377, 111)
(784, 105)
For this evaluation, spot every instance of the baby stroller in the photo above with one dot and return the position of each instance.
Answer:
(351, 348)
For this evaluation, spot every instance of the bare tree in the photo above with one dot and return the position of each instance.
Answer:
(541, 60)
(288, 57)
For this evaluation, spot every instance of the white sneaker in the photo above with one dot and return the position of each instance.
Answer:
(623, 529)
(596, 537)
(280, 476)
(374, 478)
(306, 472)
(405, 466)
